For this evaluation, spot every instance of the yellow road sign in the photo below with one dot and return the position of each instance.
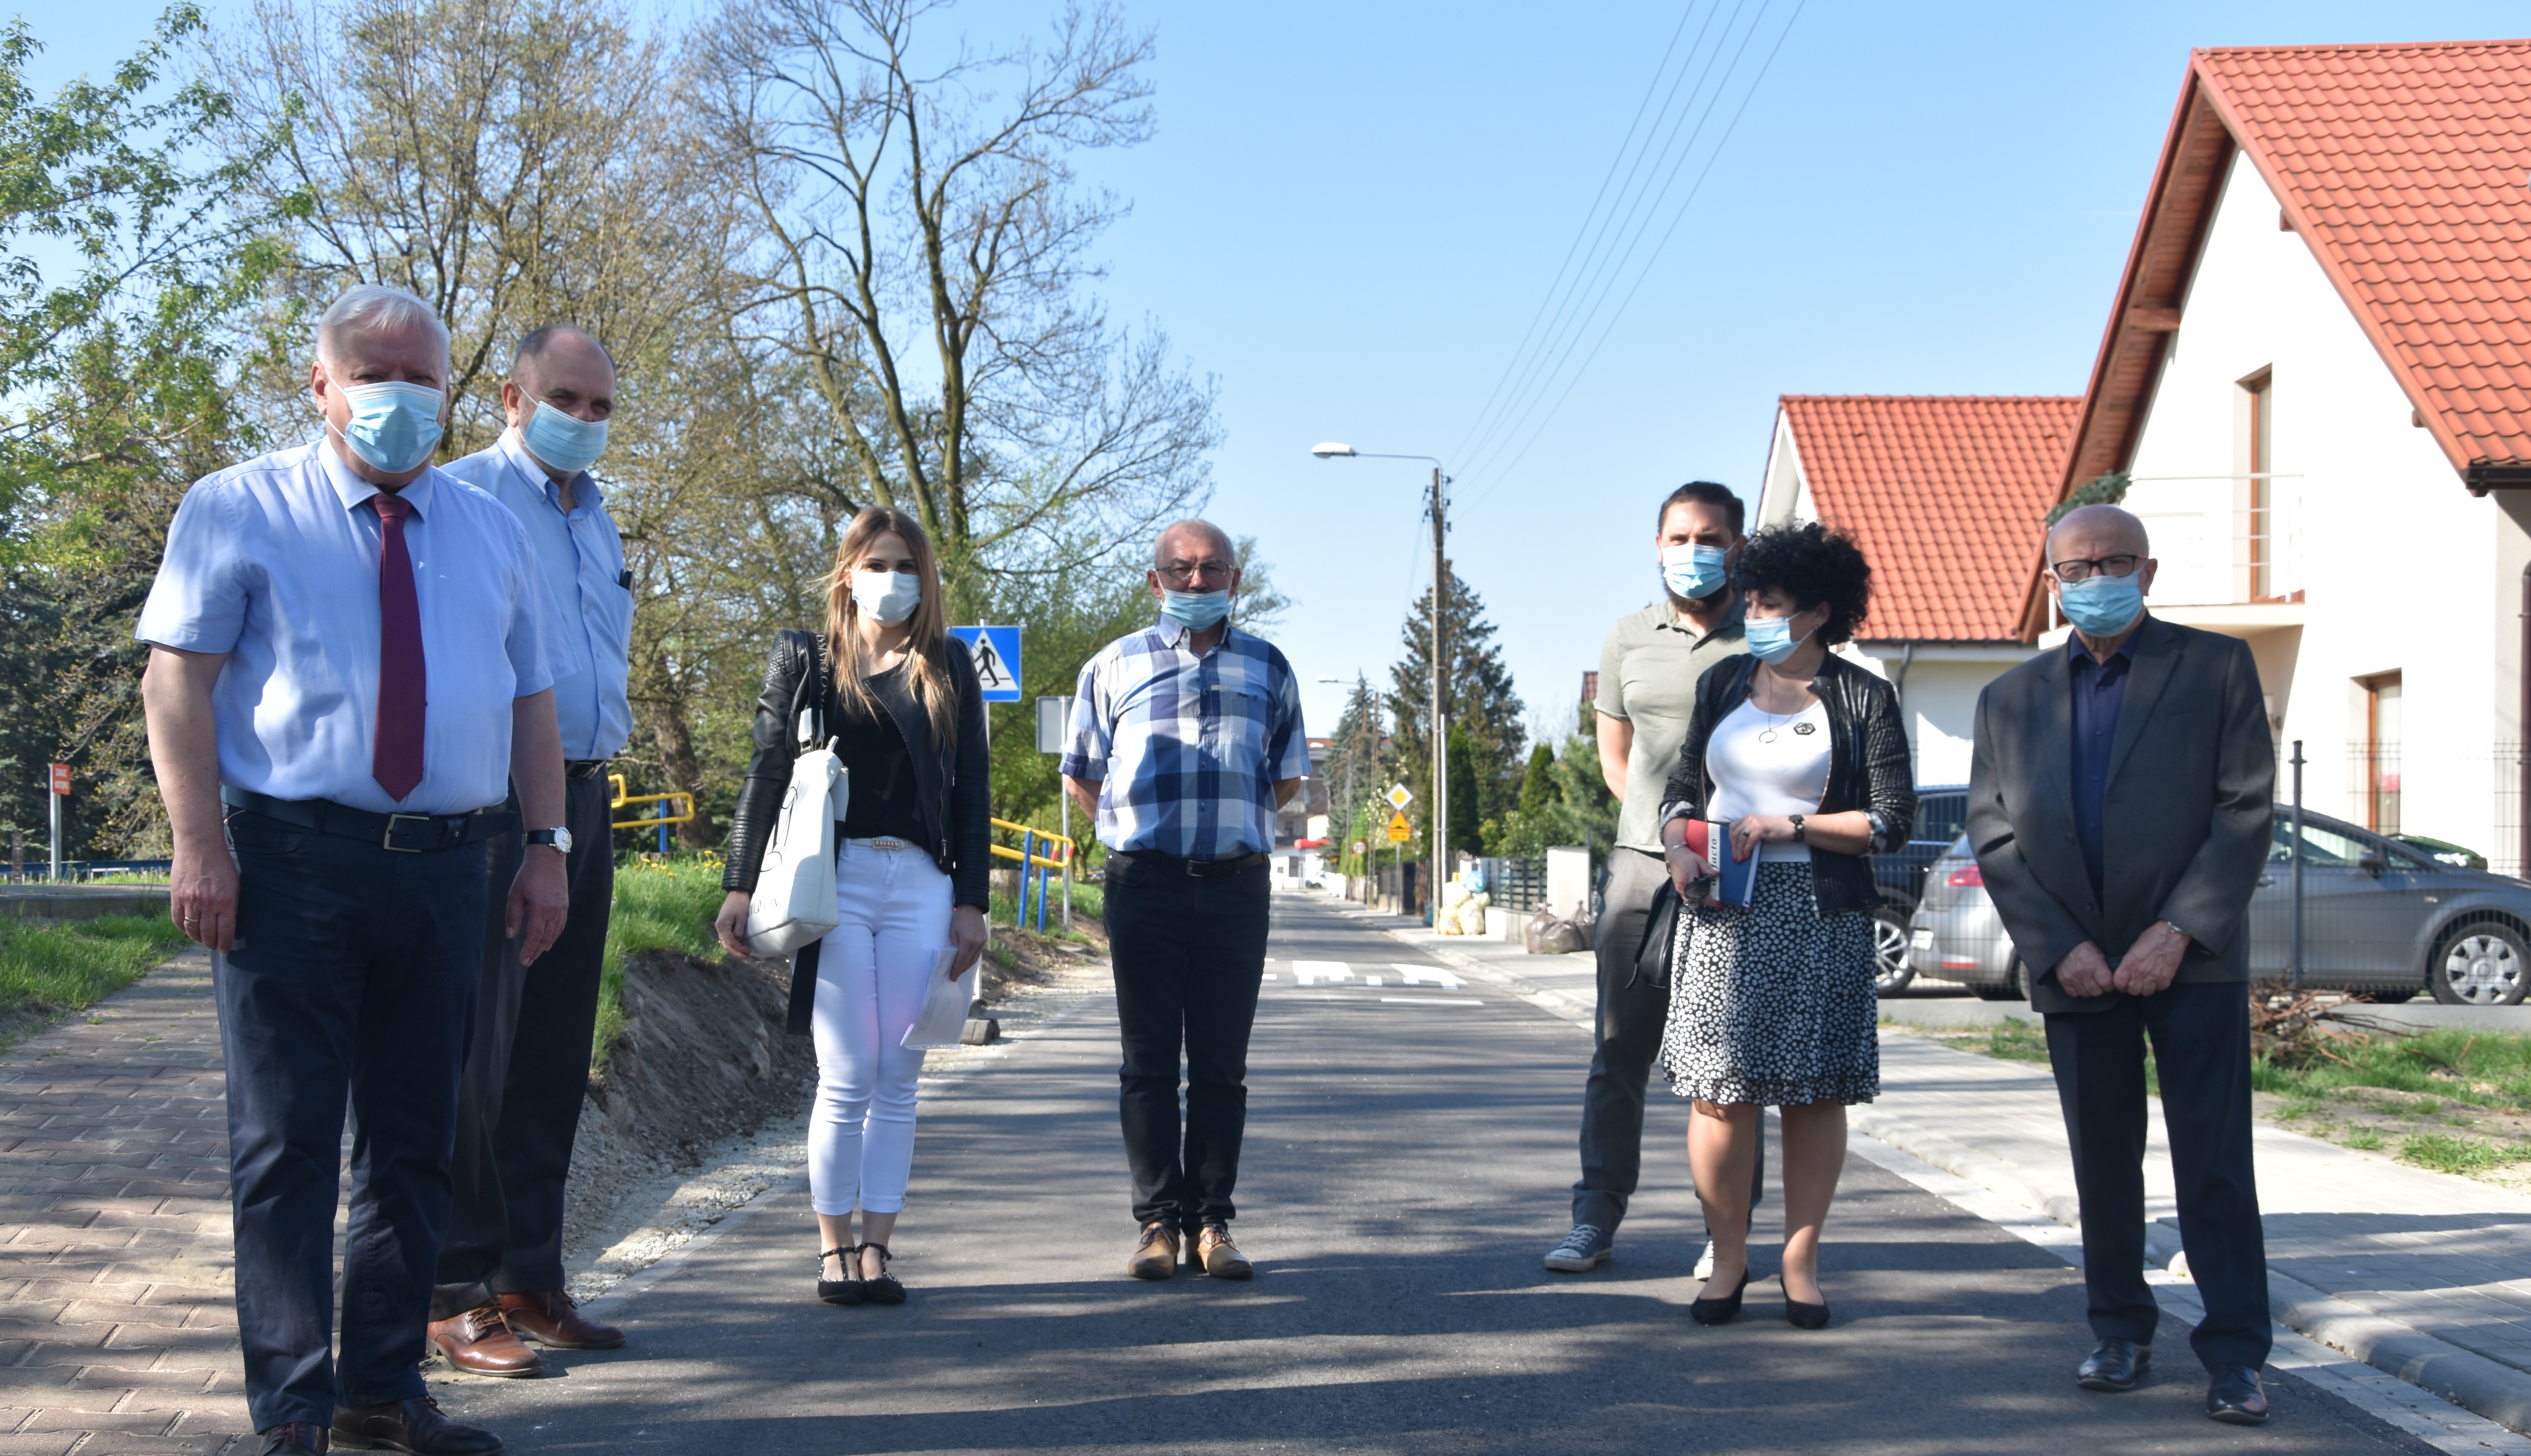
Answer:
(1398, 797)
(1398, 830)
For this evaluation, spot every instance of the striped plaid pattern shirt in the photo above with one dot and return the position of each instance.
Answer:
(1186, 749)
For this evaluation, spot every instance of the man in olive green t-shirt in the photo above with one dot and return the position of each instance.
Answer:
(1648, 674)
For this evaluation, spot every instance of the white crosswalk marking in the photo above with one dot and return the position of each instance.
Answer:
(1428, 975)
(1371, 980)
(1310, 973)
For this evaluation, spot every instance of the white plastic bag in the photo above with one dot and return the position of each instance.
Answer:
(795, 889)
(943, 1020)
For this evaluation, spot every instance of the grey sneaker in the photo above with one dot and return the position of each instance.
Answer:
(1582, 1249)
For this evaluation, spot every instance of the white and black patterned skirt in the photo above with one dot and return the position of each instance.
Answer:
(1773, 1004)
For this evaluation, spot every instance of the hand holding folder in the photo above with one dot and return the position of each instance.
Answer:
(1734, 881)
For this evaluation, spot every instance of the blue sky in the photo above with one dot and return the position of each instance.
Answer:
(1351, 212)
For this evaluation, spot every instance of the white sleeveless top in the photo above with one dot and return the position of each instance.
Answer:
(1762, 762)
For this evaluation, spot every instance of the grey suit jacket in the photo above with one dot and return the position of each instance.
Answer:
(2185, 824)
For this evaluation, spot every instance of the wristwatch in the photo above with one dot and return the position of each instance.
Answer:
(560, 839)
(1799, 831)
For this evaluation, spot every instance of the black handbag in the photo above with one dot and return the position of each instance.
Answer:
(1661, 925)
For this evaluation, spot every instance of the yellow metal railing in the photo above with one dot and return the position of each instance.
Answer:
(678, 798)
(1034, 868)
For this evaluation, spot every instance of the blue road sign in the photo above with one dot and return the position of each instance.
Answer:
(997, 651)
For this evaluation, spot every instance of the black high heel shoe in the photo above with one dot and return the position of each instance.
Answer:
(1804, 1317)
(1719, 1311)
(883, 1290)
(846, 1290)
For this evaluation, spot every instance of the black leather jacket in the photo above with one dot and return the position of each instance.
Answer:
(1868, 769)
(954, 788)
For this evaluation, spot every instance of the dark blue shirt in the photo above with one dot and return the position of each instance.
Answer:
(2099, 691)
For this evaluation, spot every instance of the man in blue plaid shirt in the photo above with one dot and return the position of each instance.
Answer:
(1186, 738)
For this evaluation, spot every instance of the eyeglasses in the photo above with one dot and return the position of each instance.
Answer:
(2071, 572)
(1196, 571)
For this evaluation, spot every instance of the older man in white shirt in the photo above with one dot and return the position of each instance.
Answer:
(500, 1279)
(350, 652)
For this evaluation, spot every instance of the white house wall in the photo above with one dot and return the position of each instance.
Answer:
(2400, 568)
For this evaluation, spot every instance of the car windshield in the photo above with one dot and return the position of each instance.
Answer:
(2331, 847)
(1941, 815)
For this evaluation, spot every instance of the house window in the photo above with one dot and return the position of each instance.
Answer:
(2379, 758)
(2260, 497)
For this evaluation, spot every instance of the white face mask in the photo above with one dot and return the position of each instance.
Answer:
(888, 595)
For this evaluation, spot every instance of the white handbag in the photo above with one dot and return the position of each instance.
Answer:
(794, 888)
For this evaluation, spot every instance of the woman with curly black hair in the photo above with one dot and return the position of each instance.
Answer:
(1802, 755)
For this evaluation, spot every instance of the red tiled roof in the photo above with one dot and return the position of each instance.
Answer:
(1946, 494)
(2408, 171)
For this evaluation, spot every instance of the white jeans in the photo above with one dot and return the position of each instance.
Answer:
(892, 907)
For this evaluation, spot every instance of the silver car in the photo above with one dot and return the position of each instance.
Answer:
(2380, 917)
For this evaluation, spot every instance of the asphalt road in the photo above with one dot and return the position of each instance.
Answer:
(1409, 1159)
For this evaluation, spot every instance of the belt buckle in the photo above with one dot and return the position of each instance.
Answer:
(387, 841)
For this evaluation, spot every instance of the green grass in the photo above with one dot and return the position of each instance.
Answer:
(2445, 1155)
(659, 904)
(1087, 901)
(2016, 1042)
(2363, 1139)
(2479, 1069)
(2295, 1108)
(50, 969)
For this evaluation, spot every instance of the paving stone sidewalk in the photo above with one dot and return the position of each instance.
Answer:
(117, 1328)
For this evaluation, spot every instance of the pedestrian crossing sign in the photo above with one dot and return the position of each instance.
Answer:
(997, 651)
(1399, 831)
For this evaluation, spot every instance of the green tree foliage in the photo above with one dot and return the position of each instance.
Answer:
(2100, 491)
(125, 261)
(1537, 787)
(1479, 702)
(1564, 801)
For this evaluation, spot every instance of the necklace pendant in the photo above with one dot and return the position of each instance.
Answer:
(1768, 736)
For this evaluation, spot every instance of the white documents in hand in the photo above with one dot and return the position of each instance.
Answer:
(945, 1008)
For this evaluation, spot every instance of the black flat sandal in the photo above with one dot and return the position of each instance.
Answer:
(848, 1289)
(883, 1290)
(1719, 1311)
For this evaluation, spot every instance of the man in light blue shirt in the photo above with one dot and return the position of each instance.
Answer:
(351, 650)
(500, 1279)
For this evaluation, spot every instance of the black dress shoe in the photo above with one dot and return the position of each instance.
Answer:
(1719, 1311)
(414, 1425)
(297, 1439)
(2116, 1365)
(2234, 1396)
(848, 1289)
(886, 1289)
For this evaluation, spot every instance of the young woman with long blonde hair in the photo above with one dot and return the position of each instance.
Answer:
(900, 698)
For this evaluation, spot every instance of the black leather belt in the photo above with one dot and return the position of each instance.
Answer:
(584, 767)
(404, 833)
(1200, 869)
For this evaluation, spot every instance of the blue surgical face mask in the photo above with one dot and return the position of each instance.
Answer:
(1771, 638)
(562, 442)
(889, 595)
(393, 425)
(1197, 611)
(2100, 605)
(1692, 571)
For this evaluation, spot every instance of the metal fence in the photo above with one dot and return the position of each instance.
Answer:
(1515, 881)
(2397, 882)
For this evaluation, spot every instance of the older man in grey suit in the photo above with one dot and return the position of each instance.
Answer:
(2120, 802)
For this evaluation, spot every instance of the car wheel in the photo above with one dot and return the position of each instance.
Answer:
(1889, 969)
(2481, 965)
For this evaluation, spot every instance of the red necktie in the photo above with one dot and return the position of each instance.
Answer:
(397, 761)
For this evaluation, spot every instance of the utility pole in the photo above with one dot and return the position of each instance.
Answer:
(1440, 690)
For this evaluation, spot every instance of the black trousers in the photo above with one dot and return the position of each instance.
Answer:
(2200, 1050)
(1189, 953)
(518, 1109)
(352, 975)
(1627, 1041)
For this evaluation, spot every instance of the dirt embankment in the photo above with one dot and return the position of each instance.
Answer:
(703, 1063)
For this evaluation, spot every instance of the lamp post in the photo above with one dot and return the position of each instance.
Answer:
(1440, 740)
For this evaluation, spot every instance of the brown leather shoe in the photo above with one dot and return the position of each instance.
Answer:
(479, 1342)
(415, 1425)
(1219, 1257)
(550, 1318)
(1157, 1256)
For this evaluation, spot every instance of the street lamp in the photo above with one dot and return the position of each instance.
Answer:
(1440, 740)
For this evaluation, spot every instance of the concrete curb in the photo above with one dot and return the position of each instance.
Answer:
(2499, 1392)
